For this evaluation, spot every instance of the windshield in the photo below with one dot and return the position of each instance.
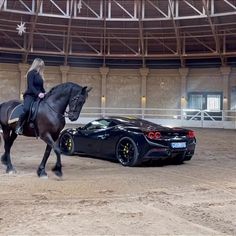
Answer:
(97, 124)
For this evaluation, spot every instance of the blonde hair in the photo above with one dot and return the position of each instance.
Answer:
(38, 65)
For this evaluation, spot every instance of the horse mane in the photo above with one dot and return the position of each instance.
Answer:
(61, 88)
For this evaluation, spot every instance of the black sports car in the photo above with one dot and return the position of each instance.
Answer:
(129, 140)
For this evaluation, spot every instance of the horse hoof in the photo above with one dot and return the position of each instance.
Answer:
(11, 171)
(42, 173)
(43, 177)
(58, 173)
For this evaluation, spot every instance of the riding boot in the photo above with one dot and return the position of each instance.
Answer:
(20, 124)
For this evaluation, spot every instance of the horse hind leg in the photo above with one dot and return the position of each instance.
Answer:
(5, 135)
(9, 137)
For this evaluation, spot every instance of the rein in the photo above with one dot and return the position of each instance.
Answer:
(63, 115)
(66, 114)
(72, 103)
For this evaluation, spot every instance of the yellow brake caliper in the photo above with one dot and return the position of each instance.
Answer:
(69, 144)
(126, 150)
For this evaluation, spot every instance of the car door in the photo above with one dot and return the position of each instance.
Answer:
(110, 139)
(92, 136)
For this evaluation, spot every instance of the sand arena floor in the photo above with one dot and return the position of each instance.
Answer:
(98, 197)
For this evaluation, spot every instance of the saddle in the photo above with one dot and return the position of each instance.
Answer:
(18, 110)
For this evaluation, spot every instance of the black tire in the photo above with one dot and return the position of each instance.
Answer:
(188, 158)
(66, 144)
(179, 159)
(127, 152)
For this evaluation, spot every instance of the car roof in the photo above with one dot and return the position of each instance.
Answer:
(123, 118)
(128, 120)
(136, 122)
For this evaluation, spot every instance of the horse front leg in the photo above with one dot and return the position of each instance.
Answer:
(57, 169)
(41, 169)
(9, 137)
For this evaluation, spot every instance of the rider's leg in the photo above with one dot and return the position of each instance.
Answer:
(27, 103)
(20, 123)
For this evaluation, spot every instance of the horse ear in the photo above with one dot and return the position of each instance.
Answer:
(89, 89)
(84, 90)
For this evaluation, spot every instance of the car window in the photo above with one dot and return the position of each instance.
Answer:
(97, 124)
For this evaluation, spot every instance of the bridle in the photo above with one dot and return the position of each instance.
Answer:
(75, 100)
(66, 114)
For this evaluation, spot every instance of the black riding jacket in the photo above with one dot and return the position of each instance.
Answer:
(34, 84)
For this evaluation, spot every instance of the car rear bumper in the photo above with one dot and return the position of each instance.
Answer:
(167, 152)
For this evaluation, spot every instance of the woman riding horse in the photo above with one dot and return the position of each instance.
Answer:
(34, 90)
(50, 120)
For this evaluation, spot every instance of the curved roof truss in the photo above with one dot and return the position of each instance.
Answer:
(135, 29)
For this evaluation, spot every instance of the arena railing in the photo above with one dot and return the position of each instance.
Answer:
(171, 117)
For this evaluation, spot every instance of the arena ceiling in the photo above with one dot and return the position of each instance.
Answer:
(116, 32)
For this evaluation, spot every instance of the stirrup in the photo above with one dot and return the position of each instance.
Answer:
(19, 130)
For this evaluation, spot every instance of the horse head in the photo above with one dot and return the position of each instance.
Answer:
(77, 101)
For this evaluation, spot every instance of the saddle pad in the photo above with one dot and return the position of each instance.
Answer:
(16, 112)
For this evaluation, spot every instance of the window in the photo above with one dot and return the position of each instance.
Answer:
(97, 124)
(196, 101)
(213, 102)
(210, 103)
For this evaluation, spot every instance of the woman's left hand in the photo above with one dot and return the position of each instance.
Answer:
(41, 95)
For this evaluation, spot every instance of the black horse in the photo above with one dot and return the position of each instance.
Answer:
(50, 120)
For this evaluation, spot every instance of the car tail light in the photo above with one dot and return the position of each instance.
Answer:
(191, 134)
(153, 135)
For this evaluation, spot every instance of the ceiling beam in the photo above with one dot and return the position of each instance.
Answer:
(177, 33)
(1, 3)
(194, 8)
(124, 10)
(157, 8)
(104, 45)
(49, 41)
(125, 45)
(130, 14)
(98, 15)
(162, 43)
(31, 34)
(200, 42)
(162, 56)
(90, 45)
(141, 37)
(214, 31)
(68, 35)
(230, 4)
(12, 39)
(57, 7)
